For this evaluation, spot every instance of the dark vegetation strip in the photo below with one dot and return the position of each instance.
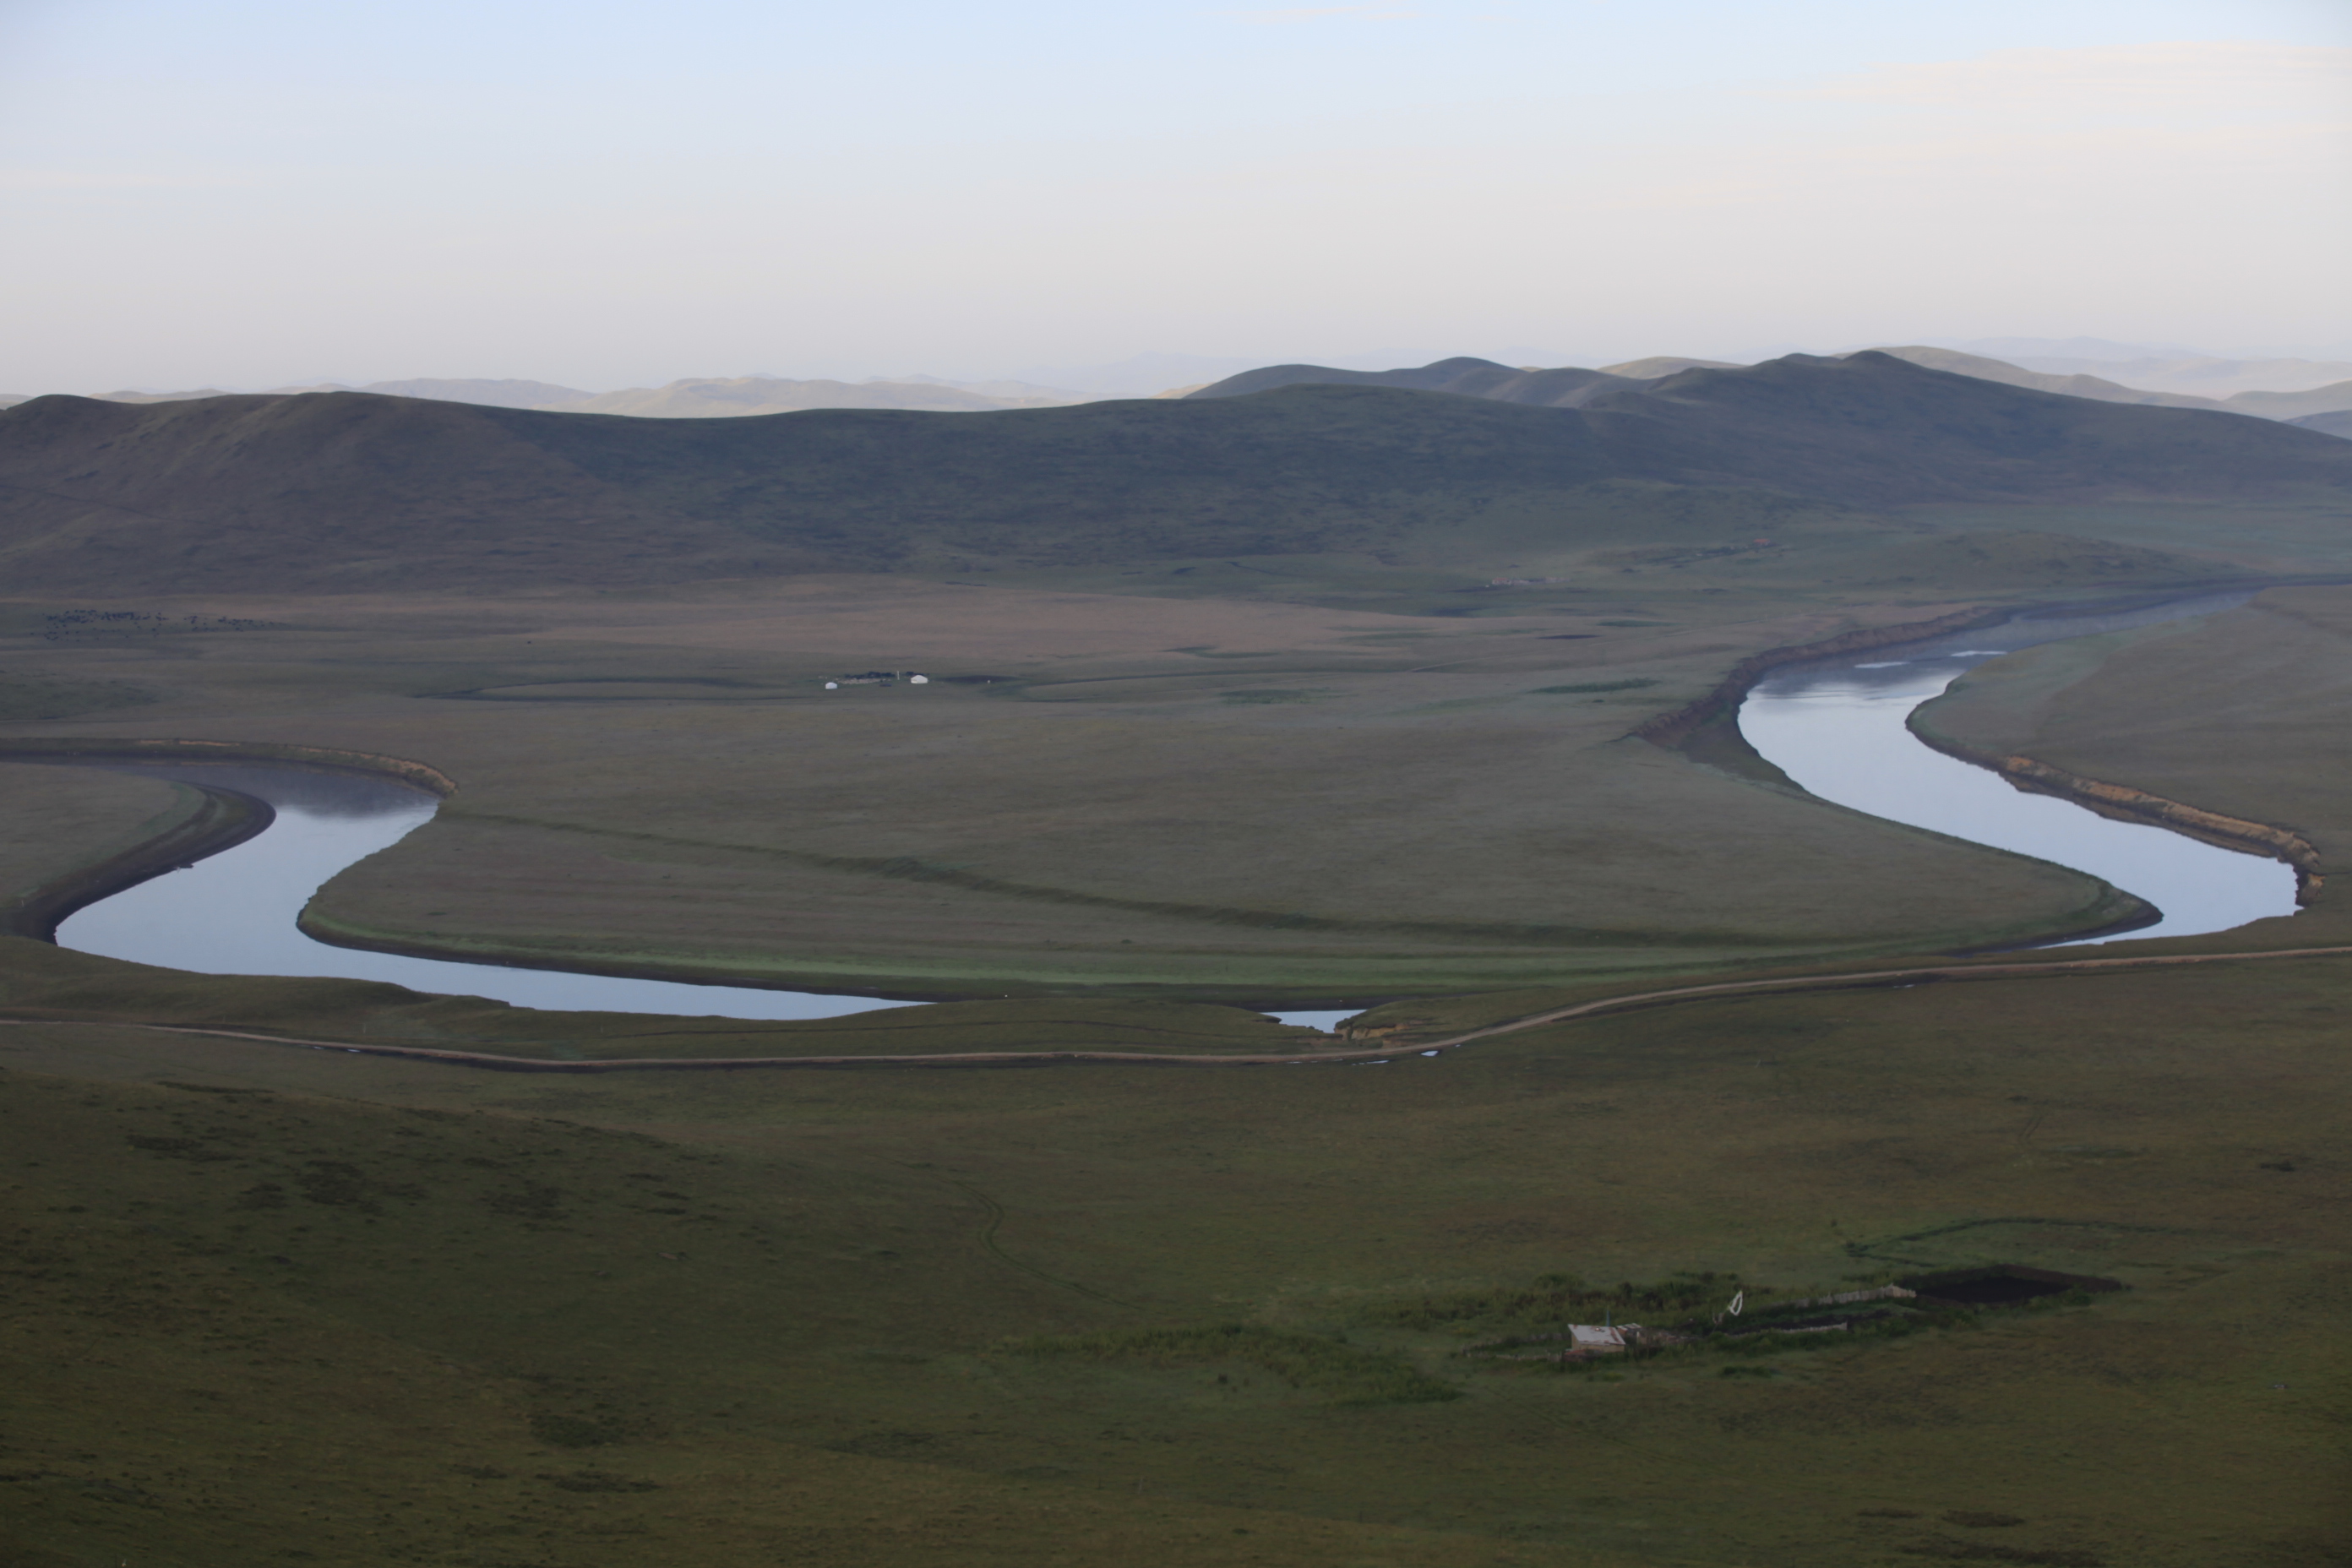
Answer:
(1878, 1251)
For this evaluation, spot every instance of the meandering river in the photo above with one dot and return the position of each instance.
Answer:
(234, 912)
(1835, 727)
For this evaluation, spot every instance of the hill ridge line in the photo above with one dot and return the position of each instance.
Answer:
(347, 492)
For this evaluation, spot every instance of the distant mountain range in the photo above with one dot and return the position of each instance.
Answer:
(490, 394)
(1574, 388)
(700, 397)
(1142, 375)
(2203, 375)
(998, 388)
(2091, 349)
(2162, 367)
(2327, 386)
(2270, 389)
(718, 398)
(359, 492)
(487, 393)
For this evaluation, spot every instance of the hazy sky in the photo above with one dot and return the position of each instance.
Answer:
(253, 192)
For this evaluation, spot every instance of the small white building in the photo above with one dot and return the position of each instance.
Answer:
(1601, 1337)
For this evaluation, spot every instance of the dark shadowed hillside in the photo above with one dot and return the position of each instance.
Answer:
(1873, 429)
(354, 490)
(322, 491)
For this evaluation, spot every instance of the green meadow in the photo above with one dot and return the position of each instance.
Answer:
(268, 1298)
(283, 1302)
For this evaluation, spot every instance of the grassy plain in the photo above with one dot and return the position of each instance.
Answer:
(265, 1298)
(1152, 796)
(270, 1300)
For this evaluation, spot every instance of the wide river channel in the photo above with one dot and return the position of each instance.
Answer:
(1836, 727)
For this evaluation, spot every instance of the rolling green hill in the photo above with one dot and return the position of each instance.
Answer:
(353, 492)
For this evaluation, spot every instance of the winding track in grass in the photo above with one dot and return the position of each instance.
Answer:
(1885, 979)
(993, 1221)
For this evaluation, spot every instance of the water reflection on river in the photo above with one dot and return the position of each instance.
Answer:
(1837, 728)
(233, 914)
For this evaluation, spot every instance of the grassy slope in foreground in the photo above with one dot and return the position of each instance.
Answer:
(2247, 714)
(364, 1308)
